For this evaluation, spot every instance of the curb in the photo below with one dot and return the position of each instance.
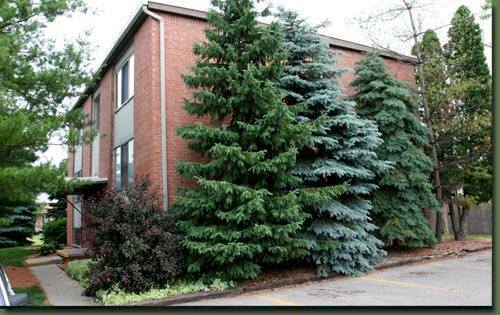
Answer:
(287, 282)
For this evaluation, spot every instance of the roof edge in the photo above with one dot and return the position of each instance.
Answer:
(333, 41)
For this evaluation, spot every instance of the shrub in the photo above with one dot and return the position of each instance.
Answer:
(133, 242)
(47, 249)
(79, 271)
(116, 296)
(54, 233)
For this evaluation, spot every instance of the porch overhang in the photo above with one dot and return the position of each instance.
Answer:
(81, 185)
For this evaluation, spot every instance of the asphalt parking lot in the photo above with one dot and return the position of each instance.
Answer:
(465, 281)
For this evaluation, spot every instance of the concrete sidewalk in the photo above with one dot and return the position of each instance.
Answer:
(60, 289)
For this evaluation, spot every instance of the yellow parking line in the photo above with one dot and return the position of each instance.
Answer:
(405, 284)
(275, 299)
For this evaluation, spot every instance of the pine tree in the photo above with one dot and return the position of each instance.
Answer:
(342, 150)
(242, 214)
(404, 192)
(21, 226)
(470, 154)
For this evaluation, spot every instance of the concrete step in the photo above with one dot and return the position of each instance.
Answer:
(42, 260)
(72, 252)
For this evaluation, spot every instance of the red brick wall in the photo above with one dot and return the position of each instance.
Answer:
(147, 129)
(106, 125)
(180, 35)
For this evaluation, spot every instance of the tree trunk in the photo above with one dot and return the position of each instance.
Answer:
(453, 219)
(462, 226)
(427, 118)
(439, 226)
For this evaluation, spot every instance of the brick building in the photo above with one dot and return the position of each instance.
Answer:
(133, 94)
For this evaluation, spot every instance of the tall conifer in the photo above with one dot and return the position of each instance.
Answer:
(242, 214)
(405, 191)
(470, 96)
(341, 150)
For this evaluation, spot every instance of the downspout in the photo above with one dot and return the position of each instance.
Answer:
(163, 110)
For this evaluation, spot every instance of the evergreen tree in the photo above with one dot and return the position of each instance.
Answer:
(405, 190)
(342, 150)
(470, 156)
(434, 69)
(242, 214)
(21, 226)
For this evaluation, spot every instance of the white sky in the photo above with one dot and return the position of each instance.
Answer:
(112, 16)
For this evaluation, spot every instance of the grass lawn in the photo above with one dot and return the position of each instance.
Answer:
(36, 296)
(15, 256)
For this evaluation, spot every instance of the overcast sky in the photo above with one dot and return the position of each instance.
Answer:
(112, 16)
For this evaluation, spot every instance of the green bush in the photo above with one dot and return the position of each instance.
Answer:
(79, 271)
(54, 233)
(47, 249)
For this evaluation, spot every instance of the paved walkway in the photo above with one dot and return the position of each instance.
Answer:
(452, 282)
(61, 290)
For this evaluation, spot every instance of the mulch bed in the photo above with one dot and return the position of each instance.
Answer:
(21, 277)
(294, 274)
(446, 247)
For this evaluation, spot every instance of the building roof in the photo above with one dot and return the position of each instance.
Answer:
(140, 16)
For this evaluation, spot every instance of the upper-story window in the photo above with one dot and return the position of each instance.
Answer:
(78, 156)
(95, 111)
(125, 81)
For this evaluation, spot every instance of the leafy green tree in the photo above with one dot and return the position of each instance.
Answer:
(404, 192)
(470, 156)
(431, 83)
(35, 81)
(342, 150)
(242, 213)
(487, 8)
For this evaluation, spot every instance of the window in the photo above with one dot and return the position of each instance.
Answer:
(124, 164)
(95, 112)
(125, 81)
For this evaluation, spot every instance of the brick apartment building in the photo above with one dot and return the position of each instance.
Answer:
(136, 90)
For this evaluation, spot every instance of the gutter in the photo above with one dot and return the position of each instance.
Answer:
(163, 109)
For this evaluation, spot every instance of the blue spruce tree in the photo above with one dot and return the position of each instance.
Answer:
(405, 191)
(341, 150)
